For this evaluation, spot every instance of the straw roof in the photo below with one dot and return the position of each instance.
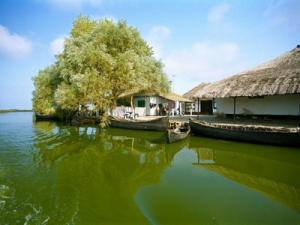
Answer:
(276, 77)
(170, 96)
(175, 97)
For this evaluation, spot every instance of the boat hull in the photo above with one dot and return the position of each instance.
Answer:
(158, 124)
(253, 136)
(175, 135)
(39, 117)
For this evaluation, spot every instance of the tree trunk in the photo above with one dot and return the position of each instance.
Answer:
(131, 102)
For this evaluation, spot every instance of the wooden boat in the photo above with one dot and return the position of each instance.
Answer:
(157, 124)
(248, 133)
(179, 133)
(40, 117)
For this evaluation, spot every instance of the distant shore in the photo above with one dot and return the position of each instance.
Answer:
(14, 110)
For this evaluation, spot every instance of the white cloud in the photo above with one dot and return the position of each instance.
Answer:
(13, 45)
(156, 38)
(284, 13)
(70, 5)
(57, 46)
(217, 13)
(203, 62)
(76, 5)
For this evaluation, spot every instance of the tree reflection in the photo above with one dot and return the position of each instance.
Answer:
(98, 172)
(44, 126)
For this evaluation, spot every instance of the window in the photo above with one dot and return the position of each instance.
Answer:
(141, 103)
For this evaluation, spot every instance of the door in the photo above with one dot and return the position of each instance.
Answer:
(206, 107)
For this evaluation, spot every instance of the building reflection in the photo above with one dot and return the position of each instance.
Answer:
(206, 155)
(265, 169)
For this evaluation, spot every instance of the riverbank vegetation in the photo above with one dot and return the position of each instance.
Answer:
(101, 60)
(14, 110)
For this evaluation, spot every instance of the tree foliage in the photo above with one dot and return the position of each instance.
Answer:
(45, 86)
(82, 25)
(101, 60)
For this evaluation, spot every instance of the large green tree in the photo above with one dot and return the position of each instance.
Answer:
(102, 60)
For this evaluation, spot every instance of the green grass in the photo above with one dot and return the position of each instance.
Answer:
(14, 110)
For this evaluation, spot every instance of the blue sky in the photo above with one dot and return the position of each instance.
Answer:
(196, 40)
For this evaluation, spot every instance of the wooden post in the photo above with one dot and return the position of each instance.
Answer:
(213, 102)
(234, 109)
(198, 109)
(180, 109)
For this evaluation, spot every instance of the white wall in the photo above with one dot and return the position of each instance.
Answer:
(119, 112)
(153, 100)
(269, 105)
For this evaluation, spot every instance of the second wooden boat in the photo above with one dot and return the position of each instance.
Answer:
(179, 133)
(248, 133)
(156, 124)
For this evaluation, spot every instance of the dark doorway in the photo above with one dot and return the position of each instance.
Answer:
(206, 107)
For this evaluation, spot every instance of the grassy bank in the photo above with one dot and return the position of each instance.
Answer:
(14, 110)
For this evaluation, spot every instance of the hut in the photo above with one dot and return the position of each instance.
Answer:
(161, 104)
(157, 104)
(270, 89)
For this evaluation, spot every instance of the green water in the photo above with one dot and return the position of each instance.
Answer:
(54, 173)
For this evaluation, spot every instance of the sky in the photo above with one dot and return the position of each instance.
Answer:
(197, 40)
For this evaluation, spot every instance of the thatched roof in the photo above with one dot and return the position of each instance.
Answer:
(195, 90)
(175, 97)
(276, 77)
(170, 96)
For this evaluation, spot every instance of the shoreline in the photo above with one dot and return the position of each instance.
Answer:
(15, 110)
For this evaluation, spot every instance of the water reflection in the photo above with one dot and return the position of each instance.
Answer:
(104, 168)
(265, 169)
(54, 173)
